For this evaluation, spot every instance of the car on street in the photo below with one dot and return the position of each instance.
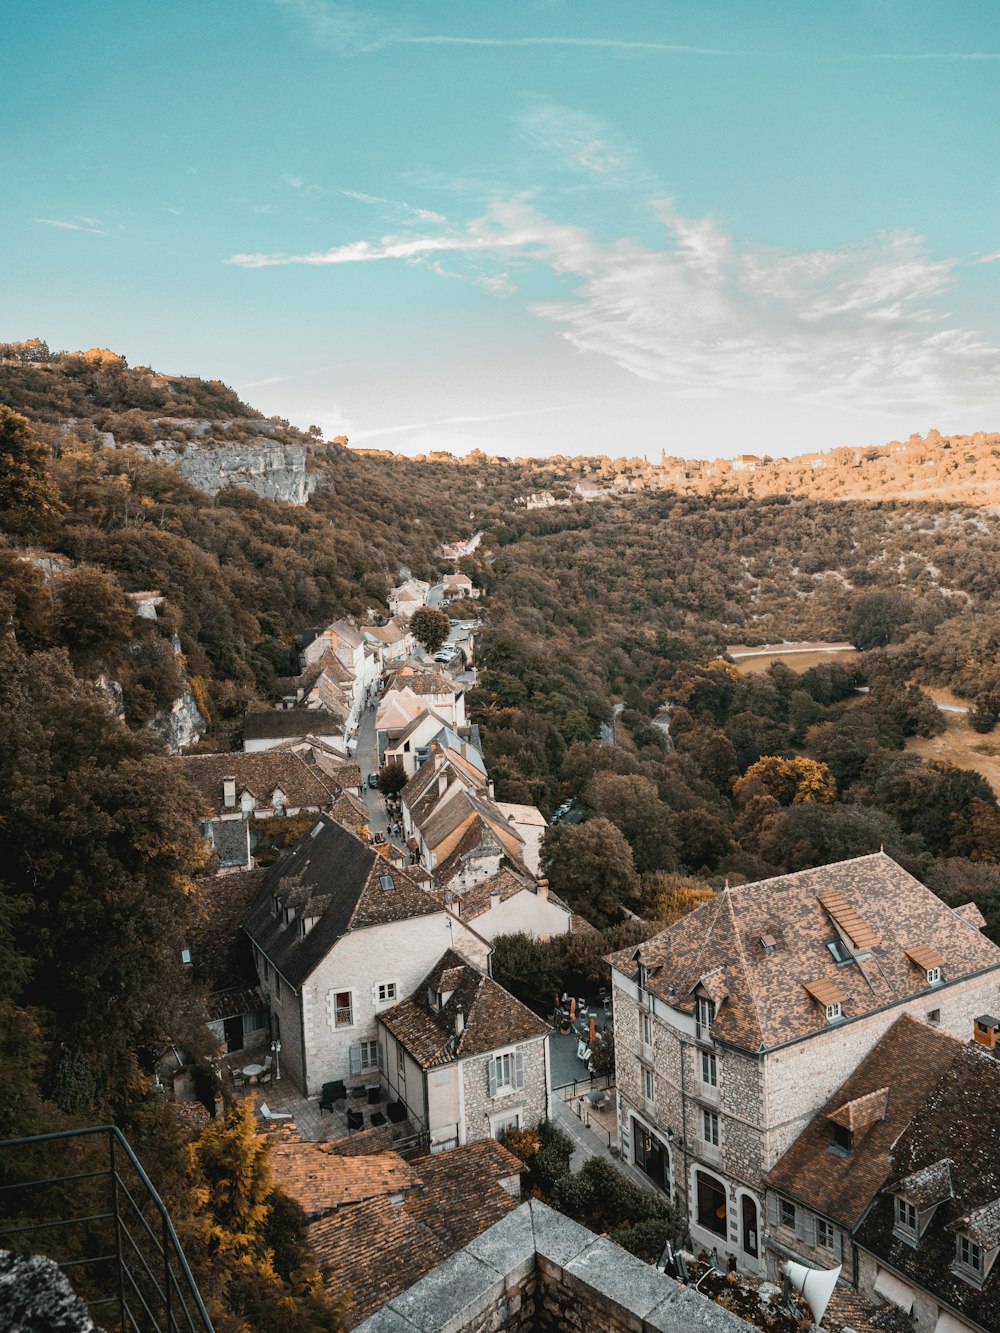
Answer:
(373, 780)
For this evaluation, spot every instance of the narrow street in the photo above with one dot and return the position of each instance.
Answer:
(366, 755)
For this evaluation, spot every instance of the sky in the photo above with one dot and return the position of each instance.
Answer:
(552, 227)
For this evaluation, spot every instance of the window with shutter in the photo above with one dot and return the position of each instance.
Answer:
(491, 1074)
(355, 1059)
(518, 1070)
(771, 1208)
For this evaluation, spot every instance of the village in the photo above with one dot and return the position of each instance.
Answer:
(795, 1063)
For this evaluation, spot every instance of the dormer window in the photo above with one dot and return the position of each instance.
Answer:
(834, 1013)
(969, 1258)
(843, 1140)
(305, 925)
(906, 1217)
(186, 957)
(934, 976)
(275, 906)
(841, 953)
(705, 1012)
(643, 976)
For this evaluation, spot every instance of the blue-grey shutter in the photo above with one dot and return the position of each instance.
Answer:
(518, 1070)
(491, 1071)
(773, 1217)
(355, 1059)
(805, 1227)
(381, 1059)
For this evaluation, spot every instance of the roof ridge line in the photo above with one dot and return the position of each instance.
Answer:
(707, 935)
(745, 965)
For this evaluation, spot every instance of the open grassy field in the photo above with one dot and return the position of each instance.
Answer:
(798, 656)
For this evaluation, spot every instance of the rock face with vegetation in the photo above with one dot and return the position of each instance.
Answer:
(273, 470)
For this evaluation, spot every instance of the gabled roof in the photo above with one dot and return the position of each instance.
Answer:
(767, 1003)
(373, 1250)
(493, 1018)
(958, 1124)
(220, 953)
(332, 875)
(321, 1180)
(876, 1104)
(473, 902)
(258, 772)
(282, 723)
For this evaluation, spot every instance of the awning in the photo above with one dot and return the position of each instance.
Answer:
(947, 1323)
(896, 1291)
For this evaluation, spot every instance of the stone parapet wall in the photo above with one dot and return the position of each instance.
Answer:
(539, 1272)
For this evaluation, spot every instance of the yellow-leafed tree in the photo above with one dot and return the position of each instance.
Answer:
(789, 781)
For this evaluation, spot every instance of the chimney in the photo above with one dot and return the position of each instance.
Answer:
(985, 1030)
(229, 792)
(459, 1021)
(489, 788)
(494, 901)
(542, 889)
(442, 782)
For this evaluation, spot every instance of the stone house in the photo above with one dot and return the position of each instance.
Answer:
(258, 784)
(434, 689)
(408, 597)
(467, 1059)
(823, 1186)
(929, 1243)
(735, 1025)
(413, 745)
(269, 728)
(394, 640)
(339, 934)
(456, 586)
(531, 824)
(508, 903)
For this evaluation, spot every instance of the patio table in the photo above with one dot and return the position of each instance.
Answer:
(253, 1072)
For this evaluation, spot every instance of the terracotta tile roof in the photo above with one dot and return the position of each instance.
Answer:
(826, 991)
(971, 914)
(336, 875)
(259, 773)
(767, 1004)
(426, 681)
(493, 1018)
(925, 956)
(473, 902)
(861, 1113)
(958, 1124)
(371, 1251)
(322, 1181)
(907, 1062)
(350, 810)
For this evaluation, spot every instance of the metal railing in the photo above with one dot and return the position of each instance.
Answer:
(111, 1231)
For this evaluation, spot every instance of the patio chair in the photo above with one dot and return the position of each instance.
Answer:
(265, 1077)
(355, 1120)
(238, 1077)
(269, 1062)
(374, 1096)
(268, 1114)
(332, 1093)
(396, 1111)
(581, 1050)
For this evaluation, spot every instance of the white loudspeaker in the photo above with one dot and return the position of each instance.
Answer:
(815, 1284)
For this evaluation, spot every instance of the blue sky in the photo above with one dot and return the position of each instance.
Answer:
(555, 226)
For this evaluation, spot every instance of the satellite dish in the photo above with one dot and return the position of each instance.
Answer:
(815, 1284)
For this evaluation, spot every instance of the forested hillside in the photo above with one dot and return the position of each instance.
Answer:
(630, 602)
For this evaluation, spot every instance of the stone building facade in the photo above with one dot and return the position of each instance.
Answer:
(735, 1025)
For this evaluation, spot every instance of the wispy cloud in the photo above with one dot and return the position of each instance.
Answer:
(418, 214)
(93, 225)
(925, 56)
(283, 379)
(346, 28)
(861, 325)
(579, 140)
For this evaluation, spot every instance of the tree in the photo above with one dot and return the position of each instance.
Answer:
(590, 865)
(874, 618)
(789, 781)
(25, 490)
(633, 805)
(430, 626)
(666, 898)
(392, 778)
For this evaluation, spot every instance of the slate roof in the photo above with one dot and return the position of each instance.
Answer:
(258, 772)
(959, 1122)
(473, 902)
(220, 953)
(230, 839)
(766, 1003)
(330, 873)
(493, 1017)
(456, 1196)
(281, 723)
(877, 1102)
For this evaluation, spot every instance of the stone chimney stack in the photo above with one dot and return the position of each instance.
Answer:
(459, 1021)
(229, 793)
(542, 889)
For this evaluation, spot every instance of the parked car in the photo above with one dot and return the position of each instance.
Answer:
(373, 781)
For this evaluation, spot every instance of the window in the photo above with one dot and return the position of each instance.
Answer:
(256, 1021)
(343, 1009)
(275, 905)
(505, 1073)
(503, 1124)
(969, 1255)
(934, 1016)
(386, 992)
(826, 1237)
(843, 1140)
(366, 1055)
(186, 957)
(786, 1213)
(710, 1128)
(706, 1012)
(841, 953)
(646, 1026)
(934, 976)
(906, 1215)
(833, 1013)
(709, 1069)
(648, 1086)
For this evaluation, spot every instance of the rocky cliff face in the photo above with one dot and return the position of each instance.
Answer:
(275, 471)
(182, 726)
